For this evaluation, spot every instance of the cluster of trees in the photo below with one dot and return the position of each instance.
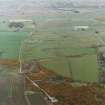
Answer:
(16, 25)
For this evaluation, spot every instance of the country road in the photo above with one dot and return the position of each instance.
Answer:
(11, 87)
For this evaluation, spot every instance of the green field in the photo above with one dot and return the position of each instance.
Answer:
(10, 43)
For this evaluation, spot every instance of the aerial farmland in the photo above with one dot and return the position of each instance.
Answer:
(52, 52)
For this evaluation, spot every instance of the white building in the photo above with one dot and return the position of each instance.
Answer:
(80, 28)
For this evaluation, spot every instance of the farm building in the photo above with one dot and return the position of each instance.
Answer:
(81, 28)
